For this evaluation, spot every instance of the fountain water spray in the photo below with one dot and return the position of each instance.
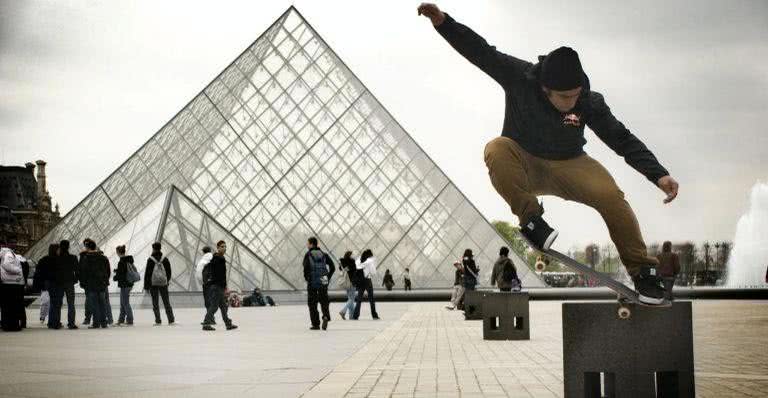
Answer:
(749, 258)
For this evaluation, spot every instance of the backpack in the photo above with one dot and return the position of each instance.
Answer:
(318, 269)
(159, 277)
(10, 269)
(131, 273)
(509, 273)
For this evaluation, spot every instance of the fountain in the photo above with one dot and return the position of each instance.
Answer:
(749, 258)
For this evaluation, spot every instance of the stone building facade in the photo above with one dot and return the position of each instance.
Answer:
(26, 211)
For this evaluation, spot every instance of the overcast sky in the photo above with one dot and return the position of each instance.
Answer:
(84, 84)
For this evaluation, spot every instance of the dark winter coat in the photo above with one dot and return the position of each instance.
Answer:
(151, 267)
(308, 266)
(65, 271)
(44, 273)
(218, 266)
(533, 122)
(122, 271)
(497, 276)
(95, 271)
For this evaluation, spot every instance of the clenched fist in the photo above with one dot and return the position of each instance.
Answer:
(431, 11)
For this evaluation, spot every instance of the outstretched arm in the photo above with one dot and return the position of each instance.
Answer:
(503, 68)
(625, 144)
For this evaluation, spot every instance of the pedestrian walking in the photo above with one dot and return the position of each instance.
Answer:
(458, 287)
(669, 268)
(217, 286)
(347, 270)
(318, 270)
(407, 280)
(366, 265)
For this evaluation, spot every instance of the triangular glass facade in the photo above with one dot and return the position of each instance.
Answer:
(287, 143)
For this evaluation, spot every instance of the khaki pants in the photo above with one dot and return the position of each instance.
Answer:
(519, 177)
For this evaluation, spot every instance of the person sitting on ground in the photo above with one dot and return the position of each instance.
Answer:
(257, 299)
(388, 281)
(504, 273)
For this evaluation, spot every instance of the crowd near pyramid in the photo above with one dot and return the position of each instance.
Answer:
(284, 144)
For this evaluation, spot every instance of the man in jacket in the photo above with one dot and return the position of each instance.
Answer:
(504, 274)
(96, 270)
(158, 286)
(216, 287)
(541, 151)
(318, 270)
(64, 275)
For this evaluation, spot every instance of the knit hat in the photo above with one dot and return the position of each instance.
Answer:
(561, 70)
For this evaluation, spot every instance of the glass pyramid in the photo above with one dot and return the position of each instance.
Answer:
(284, 144)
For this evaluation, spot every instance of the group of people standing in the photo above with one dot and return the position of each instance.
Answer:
(59, 271)
(356, 278)
(504, 276)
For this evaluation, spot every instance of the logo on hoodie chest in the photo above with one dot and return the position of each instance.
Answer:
(572, 119)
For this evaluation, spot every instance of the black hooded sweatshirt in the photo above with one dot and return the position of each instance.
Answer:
(533, 122)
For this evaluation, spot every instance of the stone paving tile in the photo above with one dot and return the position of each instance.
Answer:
(432, 352)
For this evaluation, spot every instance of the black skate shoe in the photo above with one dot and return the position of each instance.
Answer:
(649, 286)
(538, 233)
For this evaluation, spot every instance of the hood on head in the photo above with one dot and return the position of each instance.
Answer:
(534, 74)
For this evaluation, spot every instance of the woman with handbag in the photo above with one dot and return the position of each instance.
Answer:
(125, 276)
(347, 282)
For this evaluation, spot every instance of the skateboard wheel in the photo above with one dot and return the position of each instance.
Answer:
(624, 313)
(540, 266)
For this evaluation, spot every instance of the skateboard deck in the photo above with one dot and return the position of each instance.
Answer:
(624, 292)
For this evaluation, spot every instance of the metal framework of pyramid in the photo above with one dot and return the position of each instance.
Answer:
(284, 144)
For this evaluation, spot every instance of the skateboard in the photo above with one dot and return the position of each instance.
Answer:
(625, 295)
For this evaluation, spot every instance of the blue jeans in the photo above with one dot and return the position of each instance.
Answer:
(126, 312)
(349, 307)
(97, 299)
(57, 294)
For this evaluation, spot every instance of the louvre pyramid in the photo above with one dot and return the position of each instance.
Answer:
(284, 144)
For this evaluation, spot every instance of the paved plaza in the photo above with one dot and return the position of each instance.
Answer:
(416, 350)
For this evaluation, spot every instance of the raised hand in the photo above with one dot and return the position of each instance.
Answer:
(432, 12)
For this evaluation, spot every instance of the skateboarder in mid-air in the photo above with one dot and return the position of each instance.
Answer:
(540, 151)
